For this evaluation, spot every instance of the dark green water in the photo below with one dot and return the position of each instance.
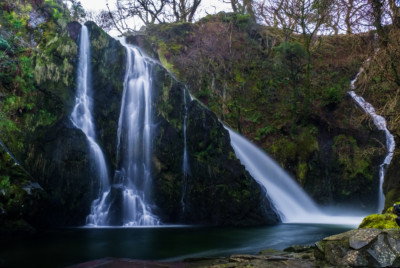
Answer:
(71, 246)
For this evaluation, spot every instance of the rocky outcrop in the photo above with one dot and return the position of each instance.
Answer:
(217, 190)
(108, 62)
(391, 185)
(360, 248)
(74, 29)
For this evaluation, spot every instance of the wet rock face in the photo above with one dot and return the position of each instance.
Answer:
(61, 163)
(36, 18)
(360, 248)
(217, 190)
(108, 62)
(74, 28)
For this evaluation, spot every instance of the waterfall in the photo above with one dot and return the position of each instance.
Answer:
(380, 123)
(291, 202)
(185, 161)
(81, 117)
(134, 141)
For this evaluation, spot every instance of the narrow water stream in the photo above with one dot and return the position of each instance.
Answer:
(380, 123)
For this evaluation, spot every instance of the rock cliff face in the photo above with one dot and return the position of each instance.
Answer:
(217, 190)
(243, 72)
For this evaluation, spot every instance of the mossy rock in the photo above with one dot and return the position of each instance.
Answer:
(380, 221)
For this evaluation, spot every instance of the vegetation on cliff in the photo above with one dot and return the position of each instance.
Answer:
(37, 71)
(256, 81)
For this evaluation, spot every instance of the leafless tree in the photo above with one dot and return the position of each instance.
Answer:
(184, 10)
(349, 16)
(101, 18)
(394, 6)
(242, 6)
(148, 11)
(272, 13)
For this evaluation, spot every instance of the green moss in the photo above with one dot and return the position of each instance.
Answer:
(380, 221)
(307, 143)
(302, 172)
(163, 51)
(285, 150)
(351, 159)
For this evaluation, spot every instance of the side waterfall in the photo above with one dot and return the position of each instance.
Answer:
(291, 202)
(185, 161)
(9, 153)
(82, 119)
(134, 141)
(380, 123)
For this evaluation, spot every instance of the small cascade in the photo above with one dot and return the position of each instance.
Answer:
(81, 117)
(380, 123)
(134, 141)
(291, 202)
(185, 161)
(9, 153)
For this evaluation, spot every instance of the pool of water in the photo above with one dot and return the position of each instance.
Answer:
(65, 247)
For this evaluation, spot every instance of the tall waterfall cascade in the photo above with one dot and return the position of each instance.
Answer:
(380, 123)
(291, 202)
(82, 119)
(134, 139)
(130, 192)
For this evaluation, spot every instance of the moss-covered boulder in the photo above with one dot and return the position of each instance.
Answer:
(380, 221)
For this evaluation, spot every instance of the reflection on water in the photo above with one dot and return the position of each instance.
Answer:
(71, 246)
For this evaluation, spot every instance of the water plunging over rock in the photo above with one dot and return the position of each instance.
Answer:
(380, 123)
(134, 149)
(82, 119)
(127, 202)
(290, 201)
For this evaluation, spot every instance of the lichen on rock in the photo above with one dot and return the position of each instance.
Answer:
(360, 248)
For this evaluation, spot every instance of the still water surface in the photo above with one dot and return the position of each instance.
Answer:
(71, 246)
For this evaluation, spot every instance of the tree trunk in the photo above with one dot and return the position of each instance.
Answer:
(395, 13)
(377, 9)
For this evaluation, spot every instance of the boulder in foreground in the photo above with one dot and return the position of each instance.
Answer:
(360, 248)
